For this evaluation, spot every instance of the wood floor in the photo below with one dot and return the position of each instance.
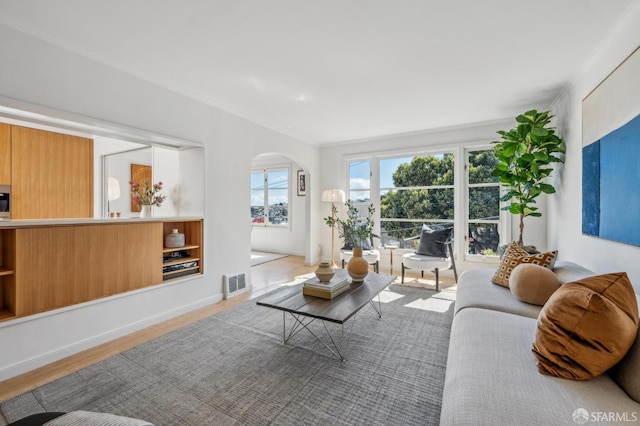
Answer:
(264, 277)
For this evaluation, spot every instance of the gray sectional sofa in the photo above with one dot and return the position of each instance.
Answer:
(492, 377)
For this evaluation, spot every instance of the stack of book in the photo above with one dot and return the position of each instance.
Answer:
(327, 290)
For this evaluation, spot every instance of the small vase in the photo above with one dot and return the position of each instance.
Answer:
(358, 268)
(174, 240)
(145, 211)
(324, 272)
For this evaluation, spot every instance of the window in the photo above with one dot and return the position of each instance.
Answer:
(360, 182)
(415, 190)
(410, 190)
(483, 195)
(270, 197)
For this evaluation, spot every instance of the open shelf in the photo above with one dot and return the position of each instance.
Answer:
(5, 315)
(181, 271)
(185, 247)
(180, 260)
(5, 271)
(191, 252)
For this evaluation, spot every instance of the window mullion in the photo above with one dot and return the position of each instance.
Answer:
(266, 197)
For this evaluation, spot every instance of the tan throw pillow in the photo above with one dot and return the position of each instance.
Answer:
(533, 283)
(515, 255)
(586, 327)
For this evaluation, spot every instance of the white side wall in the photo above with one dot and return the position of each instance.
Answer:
(166, 169)
(40, 73)
(565, 208)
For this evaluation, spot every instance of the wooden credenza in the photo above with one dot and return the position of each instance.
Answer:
(51, 266)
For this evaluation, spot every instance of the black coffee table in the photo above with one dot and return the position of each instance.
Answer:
(306, 309)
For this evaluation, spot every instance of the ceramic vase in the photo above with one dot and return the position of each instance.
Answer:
(145, 211)
(174, 240)
(357, 267)
(324, 272)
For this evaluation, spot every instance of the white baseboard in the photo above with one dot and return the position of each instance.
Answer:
(42, 359)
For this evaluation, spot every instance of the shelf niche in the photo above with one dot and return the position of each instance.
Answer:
(188, 259)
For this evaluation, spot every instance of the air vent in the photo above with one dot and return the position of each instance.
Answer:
(234, 284)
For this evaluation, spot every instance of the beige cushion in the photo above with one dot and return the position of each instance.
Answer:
(586, 327)
(626, 373)
(515, 255)
(533, 283)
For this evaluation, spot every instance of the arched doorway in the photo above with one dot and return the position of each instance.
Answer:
(279, 206)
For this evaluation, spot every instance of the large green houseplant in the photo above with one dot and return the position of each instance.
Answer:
(524, 155)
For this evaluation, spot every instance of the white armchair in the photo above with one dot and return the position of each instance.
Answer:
(435, 253)
(369, 252)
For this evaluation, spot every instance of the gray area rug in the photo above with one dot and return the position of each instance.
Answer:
(232, 369)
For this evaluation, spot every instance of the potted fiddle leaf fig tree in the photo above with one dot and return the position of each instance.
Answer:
(525, 155)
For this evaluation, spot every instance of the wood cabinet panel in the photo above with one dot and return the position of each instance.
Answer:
(5, 154)
(65, 265)
(51, 174)
(7, 275)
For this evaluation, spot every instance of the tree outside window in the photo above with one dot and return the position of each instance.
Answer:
(415, 191)
(421, 189)
(484, 203)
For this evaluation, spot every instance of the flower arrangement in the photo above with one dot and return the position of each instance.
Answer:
(147, 195)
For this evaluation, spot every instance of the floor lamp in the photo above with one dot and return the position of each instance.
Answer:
(333, 196)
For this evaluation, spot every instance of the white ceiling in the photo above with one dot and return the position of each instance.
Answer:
(336, 70)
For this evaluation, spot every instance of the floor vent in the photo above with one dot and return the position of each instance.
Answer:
(234, 284)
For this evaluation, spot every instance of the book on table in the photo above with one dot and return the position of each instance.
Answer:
(339, 279)
(328, 290)
(325, 294)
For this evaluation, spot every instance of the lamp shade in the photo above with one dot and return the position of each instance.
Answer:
(333, 195)
(113, 189)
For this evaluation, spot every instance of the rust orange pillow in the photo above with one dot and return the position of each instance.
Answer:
(586, 327)
(515, 255)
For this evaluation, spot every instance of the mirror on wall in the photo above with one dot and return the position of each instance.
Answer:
(157, 164)
(118, 169)
(177, 163)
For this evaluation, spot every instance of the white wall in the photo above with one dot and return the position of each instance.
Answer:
(40, 73)
(565, 208)
(104, 146)
(166, 169)
(286, 240)
(334, 175)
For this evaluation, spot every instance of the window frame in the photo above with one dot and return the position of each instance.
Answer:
(265, 171)
(460, 186)
(413, 154)
(504, 223)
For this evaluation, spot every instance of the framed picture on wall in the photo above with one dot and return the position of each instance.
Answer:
(139, 173)
(302, 183)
